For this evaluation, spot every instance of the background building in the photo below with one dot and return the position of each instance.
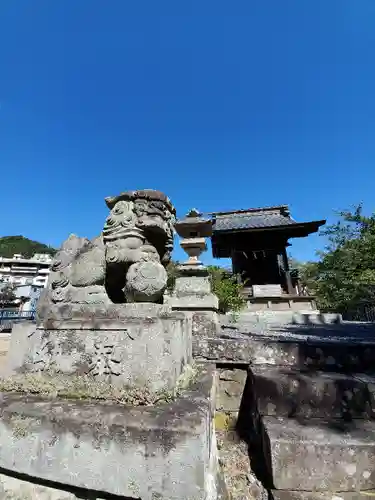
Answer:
(28, 276)
(21, 271)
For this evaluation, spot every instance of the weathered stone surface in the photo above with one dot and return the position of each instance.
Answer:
(164, 452)
(319, 495)
(216, 349)
(338, 355)
(19, 344)
(12, 488)
(369, 381)
(149, 349)
(190, 285)
(145, 281)
(205, 324)
(320, 456)
(290, 392)
(193, 293)
(230, 389)
(93, 316)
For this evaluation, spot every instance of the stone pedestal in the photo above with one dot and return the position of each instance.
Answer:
(192, 295)
(137, 345)
(193, 291)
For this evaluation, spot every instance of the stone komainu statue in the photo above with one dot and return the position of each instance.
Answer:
(126, 263)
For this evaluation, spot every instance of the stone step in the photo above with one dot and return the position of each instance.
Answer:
(286, 392)
(338, 355)
(316, 455)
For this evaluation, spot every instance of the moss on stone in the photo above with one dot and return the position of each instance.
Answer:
(86, 387)
(20, 425)
(225, 421)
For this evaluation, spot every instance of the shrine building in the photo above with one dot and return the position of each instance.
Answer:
(256, 241)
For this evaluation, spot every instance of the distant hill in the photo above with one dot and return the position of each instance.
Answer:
(9, 245)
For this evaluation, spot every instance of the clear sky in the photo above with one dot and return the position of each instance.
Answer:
(221, 105)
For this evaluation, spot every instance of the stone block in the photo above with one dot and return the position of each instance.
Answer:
(143, 350)
(194, 302)
(193, 293)
(318, 455)
(19, 345)
(290, 392)
(205, 323)
(92, 316)
(191, 285)
(369, 381)
(329, 355)
(158, 452)
(230, 389)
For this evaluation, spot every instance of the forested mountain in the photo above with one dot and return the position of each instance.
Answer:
(9, 245)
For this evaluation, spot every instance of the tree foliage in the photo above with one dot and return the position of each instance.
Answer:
(227, 289)
(172, 271)
(344, 277)
(9, 245)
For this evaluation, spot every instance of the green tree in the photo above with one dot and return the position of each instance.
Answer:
(227, 289)
(172, 271)
(344, 278)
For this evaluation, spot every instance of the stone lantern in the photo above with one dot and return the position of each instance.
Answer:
(192, 290)
(193, 229)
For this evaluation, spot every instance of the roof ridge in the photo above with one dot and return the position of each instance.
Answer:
(282, 208)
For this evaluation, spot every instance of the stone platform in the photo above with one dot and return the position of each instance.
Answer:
(96, 450)
(350, 346)
(302, 398)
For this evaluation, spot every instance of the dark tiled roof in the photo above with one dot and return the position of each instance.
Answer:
(250, 220)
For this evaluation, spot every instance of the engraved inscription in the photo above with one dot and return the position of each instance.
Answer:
(105, 360)
(45, 355)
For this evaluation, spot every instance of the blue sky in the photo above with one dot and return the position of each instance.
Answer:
(221, 105)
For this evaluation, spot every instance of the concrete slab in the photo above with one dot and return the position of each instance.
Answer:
(320, 456)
